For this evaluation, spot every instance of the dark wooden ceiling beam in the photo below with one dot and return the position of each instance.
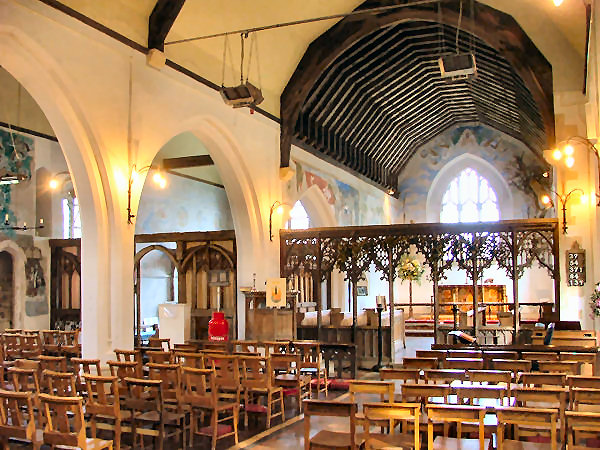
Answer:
(161, 20)
(187, 162)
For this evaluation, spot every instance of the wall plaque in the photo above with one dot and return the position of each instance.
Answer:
(575, 265)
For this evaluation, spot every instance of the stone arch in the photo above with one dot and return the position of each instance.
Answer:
(45, 80)
(19, 280)
(249, 223)
(452, 169)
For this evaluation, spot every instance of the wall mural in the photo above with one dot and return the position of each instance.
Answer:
(350, 206)
(516, 163)
(16, 156)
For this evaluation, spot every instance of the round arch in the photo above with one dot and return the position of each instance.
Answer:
(452, 169)
(317, 208)
(45, 80)
(19, 280)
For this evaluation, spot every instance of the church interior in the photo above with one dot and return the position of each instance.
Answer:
(343, 224)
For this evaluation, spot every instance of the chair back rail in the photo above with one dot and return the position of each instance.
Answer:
(374, 413)
(519, 417)
(581, 425)
(326, 408)
(540, 379)
(400, 374)
(17, 416)
(457, 414)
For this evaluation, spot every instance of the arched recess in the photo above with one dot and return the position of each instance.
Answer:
(317, 207)
(19, 281)
(498, 29)
(45, 80)
(249, 223)
(452, 169)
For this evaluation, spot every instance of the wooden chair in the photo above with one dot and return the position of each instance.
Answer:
(404, 375)
(583, 381)
(375, 413)
(490, 377)
(419, 363)
(326, 438)
(246, 346)
(311, 363)
(584, 399)
(189, 359)
(104, 406)
(60, 384)
(540, 379)
(464, 363)
(539, 356)
(477, 395)
(227, 374)
(51, 342)
(581, 425)
(86, 367)
(221, 347)
(584, 358)
(149, 417)
(31, 345)
(65, 425)
(164, 343)
(12, 346)
(55, 363)
(27, 380)
(275, 347)
(461, 354)
(170, 377)
(288, 376)
(69, 346)
(128, 355)
(123, 370)
(159, 357)
(568, 367)
(201, 392)
(440, 355)
(513, 365)
(549, 397)
(443, 376)
(17, 418)
(191, 348)
(257, 382)
(424, 393)
(384, 389)
(540, 419)
(455, 414)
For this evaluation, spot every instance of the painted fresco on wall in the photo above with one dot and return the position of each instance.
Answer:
(516, 163)
(36, 303)
(344, 199)
(16, 156)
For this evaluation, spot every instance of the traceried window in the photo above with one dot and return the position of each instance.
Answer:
(469, 198)
(71, 218)
(299, 219)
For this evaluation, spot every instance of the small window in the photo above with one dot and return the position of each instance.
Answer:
(299, 219)
(469, 198)
(71, 218)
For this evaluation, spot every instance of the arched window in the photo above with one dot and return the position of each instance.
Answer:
(299, 219)
(469, 198)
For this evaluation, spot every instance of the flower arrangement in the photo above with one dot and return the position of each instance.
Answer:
(410, 269)
(595, 301)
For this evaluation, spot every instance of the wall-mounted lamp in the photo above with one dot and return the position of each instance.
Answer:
(565, 152)
(158, 178)
(58, 179)
(279, 208)
(546, 200)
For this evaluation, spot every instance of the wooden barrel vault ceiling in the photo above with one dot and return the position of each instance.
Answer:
(368, 93)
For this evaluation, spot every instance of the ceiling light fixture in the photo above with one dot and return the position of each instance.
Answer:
(279, 208)
(558, 2)
(546, 200)
(158, 178)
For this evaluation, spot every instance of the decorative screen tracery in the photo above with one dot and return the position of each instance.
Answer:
(469, 198)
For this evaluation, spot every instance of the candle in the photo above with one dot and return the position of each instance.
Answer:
(6, 217)
(41, 221)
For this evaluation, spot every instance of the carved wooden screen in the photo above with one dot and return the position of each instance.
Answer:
(205, 264)
(65, 283)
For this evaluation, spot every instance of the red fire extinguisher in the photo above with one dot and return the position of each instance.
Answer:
(218, 327)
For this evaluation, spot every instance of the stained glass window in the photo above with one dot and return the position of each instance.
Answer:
(469, 198)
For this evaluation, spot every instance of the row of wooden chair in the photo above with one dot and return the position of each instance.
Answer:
(514, 365)
(26, 344)
(442, 356)
(466, 418)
